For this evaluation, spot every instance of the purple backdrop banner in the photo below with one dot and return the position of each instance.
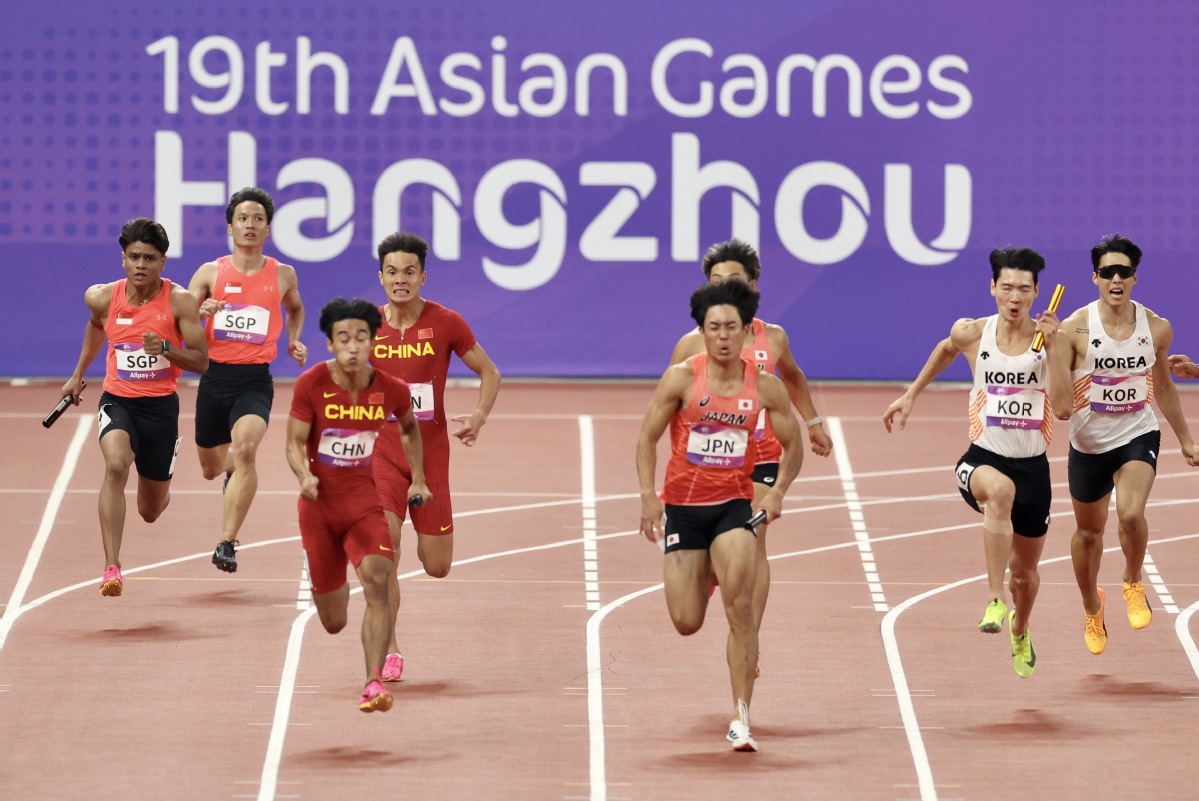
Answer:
(571, 162)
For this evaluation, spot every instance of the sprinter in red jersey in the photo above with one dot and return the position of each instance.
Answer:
(415, 342)
(711, 402)
(147, 320)
(770, 350)
(240, 297)
(339, 408)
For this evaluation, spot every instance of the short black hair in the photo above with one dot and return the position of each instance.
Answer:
(727, 293)
(401, 242)
(1025, 259)
(1115, 243)
(340, 309)
(736, 250)
(143, 229)
(255, 194)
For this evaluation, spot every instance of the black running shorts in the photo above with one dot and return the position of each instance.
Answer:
(229, 392)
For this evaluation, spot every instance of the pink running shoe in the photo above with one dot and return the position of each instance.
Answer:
(393, 668)
(374, 697)
(112, 584)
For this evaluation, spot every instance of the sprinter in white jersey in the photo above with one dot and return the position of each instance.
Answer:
(1004, 474)
(1117, 350)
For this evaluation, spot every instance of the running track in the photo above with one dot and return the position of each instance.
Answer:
(545, 666)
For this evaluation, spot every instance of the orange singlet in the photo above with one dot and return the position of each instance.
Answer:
(247, 330)
(131, 373)
(759, 352)
(712, 453)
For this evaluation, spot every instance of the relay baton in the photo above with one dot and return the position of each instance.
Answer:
(56, 412)
(753, 522)
(1039, 340)
(416, 500)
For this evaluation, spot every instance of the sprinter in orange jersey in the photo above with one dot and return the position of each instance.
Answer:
(711, 403)
(415, 343)
(153, 331)
(240, 297)
(770, 350)
(338, 409)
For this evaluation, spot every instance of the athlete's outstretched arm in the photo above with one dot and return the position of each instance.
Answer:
(489, 389)
(414, 451)
(964, 332)
(297, 457)
(666, 401)
(1165, 394)
(97, 297)
(773, 396)
(796, 384)
(290, 299)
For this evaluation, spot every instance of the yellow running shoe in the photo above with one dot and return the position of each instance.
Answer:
(1024, 658)
(992, 622)
(1139, 613)
(1094, 630)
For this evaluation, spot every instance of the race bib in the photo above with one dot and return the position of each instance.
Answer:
(1015, 407)
(346, 447)
(241, 323)
(717, 446)
(134, 364)
(1118, 394)
(422, 401)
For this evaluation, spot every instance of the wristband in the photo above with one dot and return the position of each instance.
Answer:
(815, 421)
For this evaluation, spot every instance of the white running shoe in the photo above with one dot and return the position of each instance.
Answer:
(740, 737)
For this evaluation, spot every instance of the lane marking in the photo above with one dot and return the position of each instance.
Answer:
(1159, 585)
(12, 609)
(854, 504)
(907, 710)
(591, 590)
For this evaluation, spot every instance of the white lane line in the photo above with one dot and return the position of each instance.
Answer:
(1159, 585)
(598, 772)
(304, 597)
(903, 694)
(13, 609)
(291, 663)
(854, 504)
(591, 588)
(1182, 627)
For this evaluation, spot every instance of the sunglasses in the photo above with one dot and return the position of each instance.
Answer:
(1110, 271)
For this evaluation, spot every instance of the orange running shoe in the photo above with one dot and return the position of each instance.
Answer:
(1139, 613)
(1094, 629)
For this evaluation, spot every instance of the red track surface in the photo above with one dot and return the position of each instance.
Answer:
(515, 689)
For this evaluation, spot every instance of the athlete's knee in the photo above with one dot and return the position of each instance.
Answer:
(211, 471)
(1131, 519)
(116, 469)
(150, 512)
(1022, 576)
(1000, 501)
(687, 623)
(437, 568)
(244, 453)
(1089, 535)
(333, 622)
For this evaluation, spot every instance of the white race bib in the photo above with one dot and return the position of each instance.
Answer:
(1015, 407)
(241, 323)
(1118, 394)
(346, 447)
(422, 401)
(717, 446)
(134, 364)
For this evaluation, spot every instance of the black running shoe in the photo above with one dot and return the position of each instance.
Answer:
(224, 557)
